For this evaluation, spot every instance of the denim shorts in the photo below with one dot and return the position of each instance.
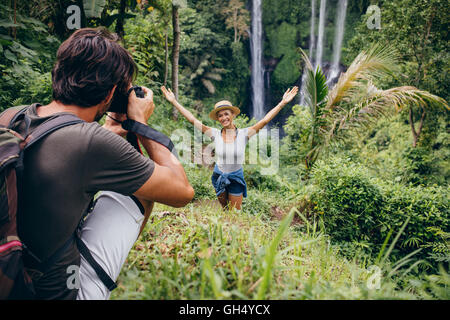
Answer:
(234, 188)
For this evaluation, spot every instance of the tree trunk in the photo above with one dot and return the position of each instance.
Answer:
(175, 55)
(120, 19)
(235, 25)
(14, 29)
(166, 48)
(415, 133)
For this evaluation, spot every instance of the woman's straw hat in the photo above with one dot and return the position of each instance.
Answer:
(221, 105)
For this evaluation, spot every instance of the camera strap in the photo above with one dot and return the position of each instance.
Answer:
(145, 131)
(148, 132)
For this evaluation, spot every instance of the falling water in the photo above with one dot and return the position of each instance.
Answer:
(321, 34)
(257, 78)
(313, 23)
(339, 35)
(311, 48)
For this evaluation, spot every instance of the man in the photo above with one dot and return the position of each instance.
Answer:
(66, 169)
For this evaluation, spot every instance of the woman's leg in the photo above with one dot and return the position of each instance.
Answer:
(235, 201)
(223, 199)
(235, 195)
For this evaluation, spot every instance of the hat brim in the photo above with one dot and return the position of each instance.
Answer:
(213, 114)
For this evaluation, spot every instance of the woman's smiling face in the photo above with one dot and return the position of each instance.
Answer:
(225, 117)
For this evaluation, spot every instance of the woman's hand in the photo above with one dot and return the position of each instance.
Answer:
(289, 95)
(168, 94)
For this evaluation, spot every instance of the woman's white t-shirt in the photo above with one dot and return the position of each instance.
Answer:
(229, 156)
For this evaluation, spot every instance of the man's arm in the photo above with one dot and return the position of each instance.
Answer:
(168, 183)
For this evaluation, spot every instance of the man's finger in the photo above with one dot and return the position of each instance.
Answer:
(132, 94)
(148, 92)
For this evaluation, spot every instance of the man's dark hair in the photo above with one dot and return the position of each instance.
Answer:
(88, 65)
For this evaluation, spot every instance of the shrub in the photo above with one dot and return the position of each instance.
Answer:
(356, 207)
(418, 165)
(200, 180)
(257, 203)
(428, 209)
(349, 201)
(256, 180)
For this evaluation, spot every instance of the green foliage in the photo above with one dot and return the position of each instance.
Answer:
(386, 150)
(429, 211)
(93, 8)
(197, 36)
(349, 201)
(26, 51)
(200, 252)
(145, 39)
(359, 208)
(39, 89)
(419, 165)
(295, 145)
(200, 179)
(419, 31)
(256, 204)
(283, 45)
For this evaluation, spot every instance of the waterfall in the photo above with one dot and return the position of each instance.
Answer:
(257, 77)
(338, 37)
(319, 52)
(311, 48)
(313, 23)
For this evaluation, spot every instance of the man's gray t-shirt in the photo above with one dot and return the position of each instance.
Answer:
(62, 174)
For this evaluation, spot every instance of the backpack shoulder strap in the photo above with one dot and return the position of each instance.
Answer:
(7, 116)
(49, 126)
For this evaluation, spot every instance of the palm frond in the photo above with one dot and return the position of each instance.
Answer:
(315, 89)
(368, 65)
(376, 104)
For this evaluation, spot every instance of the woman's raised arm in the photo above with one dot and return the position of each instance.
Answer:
(287, 97)
(170, 96)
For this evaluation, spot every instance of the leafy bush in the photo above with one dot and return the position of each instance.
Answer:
(200, 180)
(255, 179)
(418, 165)
(429, 212)
(257, 203)
(38, 89)
(295, 145)
(23, 57)
(348, 199)
(359, 208)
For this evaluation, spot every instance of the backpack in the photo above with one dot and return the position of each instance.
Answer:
(15, 282)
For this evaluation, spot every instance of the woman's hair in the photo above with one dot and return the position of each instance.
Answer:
(88, 65)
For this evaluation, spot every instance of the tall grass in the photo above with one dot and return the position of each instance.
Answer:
(201, 252)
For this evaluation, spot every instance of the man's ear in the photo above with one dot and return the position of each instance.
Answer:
(110, 95)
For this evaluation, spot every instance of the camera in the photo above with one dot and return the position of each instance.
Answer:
(119, 102)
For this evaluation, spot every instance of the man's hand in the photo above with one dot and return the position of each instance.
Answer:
(115, 126)
(289, 95)
(140, 109)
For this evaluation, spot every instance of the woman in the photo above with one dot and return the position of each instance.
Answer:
(228, 177)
